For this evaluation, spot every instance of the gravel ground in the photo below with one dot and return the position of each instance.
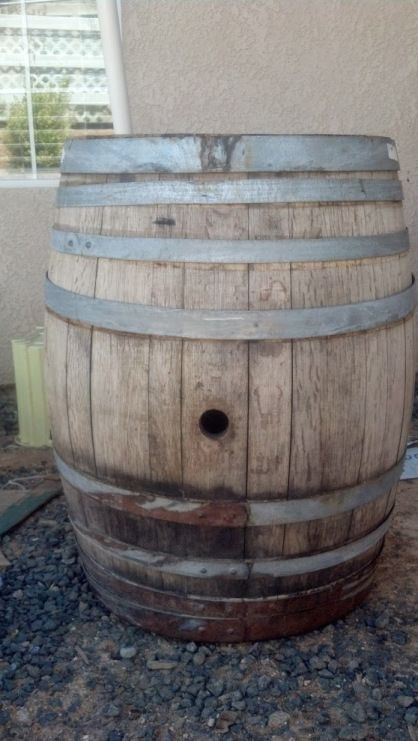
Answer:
(8, 411)
(70, 670)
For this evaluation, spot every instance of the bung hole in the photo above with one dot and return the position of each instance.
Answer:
(213, 423)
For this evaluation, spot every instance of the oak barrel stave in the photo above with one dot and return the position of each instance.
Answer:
(125, 407)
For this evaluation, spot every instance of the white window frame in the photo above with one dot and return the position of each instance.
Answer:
(32, 179)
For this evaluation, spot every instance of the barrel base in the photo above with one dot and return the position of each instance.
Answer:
(255, 620)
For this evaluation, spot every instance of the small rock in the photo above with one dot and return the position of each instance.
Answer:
(112, 711)
(166, 665)
(191, 647)
(18, 594)
(199, 659)
(238, 704)
(316, 663)
(353, 733)
(382, 621)
(22, 716)
(215, 687)
(115, 735)
(357, 713)
(400, 638)
(165, 735)
(225, 720)
(128, 652)
(34, 672)
(264, 682)
(278, 719)
(405, 701)
(410, 717)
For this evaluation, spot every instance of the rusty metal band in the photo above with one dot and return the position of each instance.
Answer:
(245, 153)
(238, 608)
(228, 568)
(229, 250)
(259, 513)
(257, 190)
(277, 324)
(274, 604)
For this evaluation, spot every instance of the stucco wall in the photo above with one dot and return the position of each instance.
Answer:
(278, 66)
(26, 218)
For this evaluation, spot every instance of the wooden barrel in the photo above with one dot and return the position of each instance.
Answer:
(230, 344)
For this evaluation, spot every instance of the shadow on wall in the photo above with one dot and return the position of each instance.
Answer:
(27, 216)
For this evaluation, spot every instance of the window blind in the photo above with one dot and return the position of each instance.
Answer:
(52, 82)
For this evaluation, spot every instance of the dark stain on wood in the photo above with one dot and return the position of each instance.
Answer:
(164, 221)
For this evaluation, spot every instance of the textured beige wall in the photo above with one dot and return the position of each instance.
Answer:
(25, 219)
(278, 66)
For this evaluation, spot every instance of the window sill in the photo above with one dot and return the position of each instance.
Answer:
(29, 183)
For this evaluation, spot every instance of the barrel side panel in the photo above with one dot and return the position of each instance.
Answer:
(185, 546)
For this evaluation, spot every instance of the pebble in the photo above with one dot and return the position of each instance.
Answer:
(191, 647)
(128, 652)
(357, 712)
(400, 638)
(411, 717)
(215, 687)
(353, 733)
(22, 716)
(115, 735)
(225, 720)
(405, 701)
(317, 663)
(112, 711)
(199, 659)
(278, 719)
(382, 621)
(161, 665)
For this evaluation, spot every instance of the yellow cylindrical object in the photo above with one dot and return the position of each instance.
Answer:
(23, 391)
(40, 424)
(28, 360)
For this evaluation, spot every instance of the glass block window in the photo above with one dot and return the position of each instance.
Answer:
(52, 82)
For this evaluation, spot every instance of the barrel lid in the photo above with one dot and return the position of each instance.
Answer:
(186, 153)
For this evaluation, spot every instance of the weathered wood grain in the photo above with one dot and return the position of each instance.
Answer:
(172, 153)
(215, 376)
(271, 524)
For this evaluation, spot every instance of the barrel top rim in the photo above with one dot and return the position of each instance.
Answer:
(204, 135)
(194, 153)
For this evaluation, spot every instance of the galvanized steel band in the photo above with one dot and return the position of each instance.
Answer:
(155, 561)
(277, 324)
(241, 153)
(257, 190)
(259, 513)
(223, 251)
